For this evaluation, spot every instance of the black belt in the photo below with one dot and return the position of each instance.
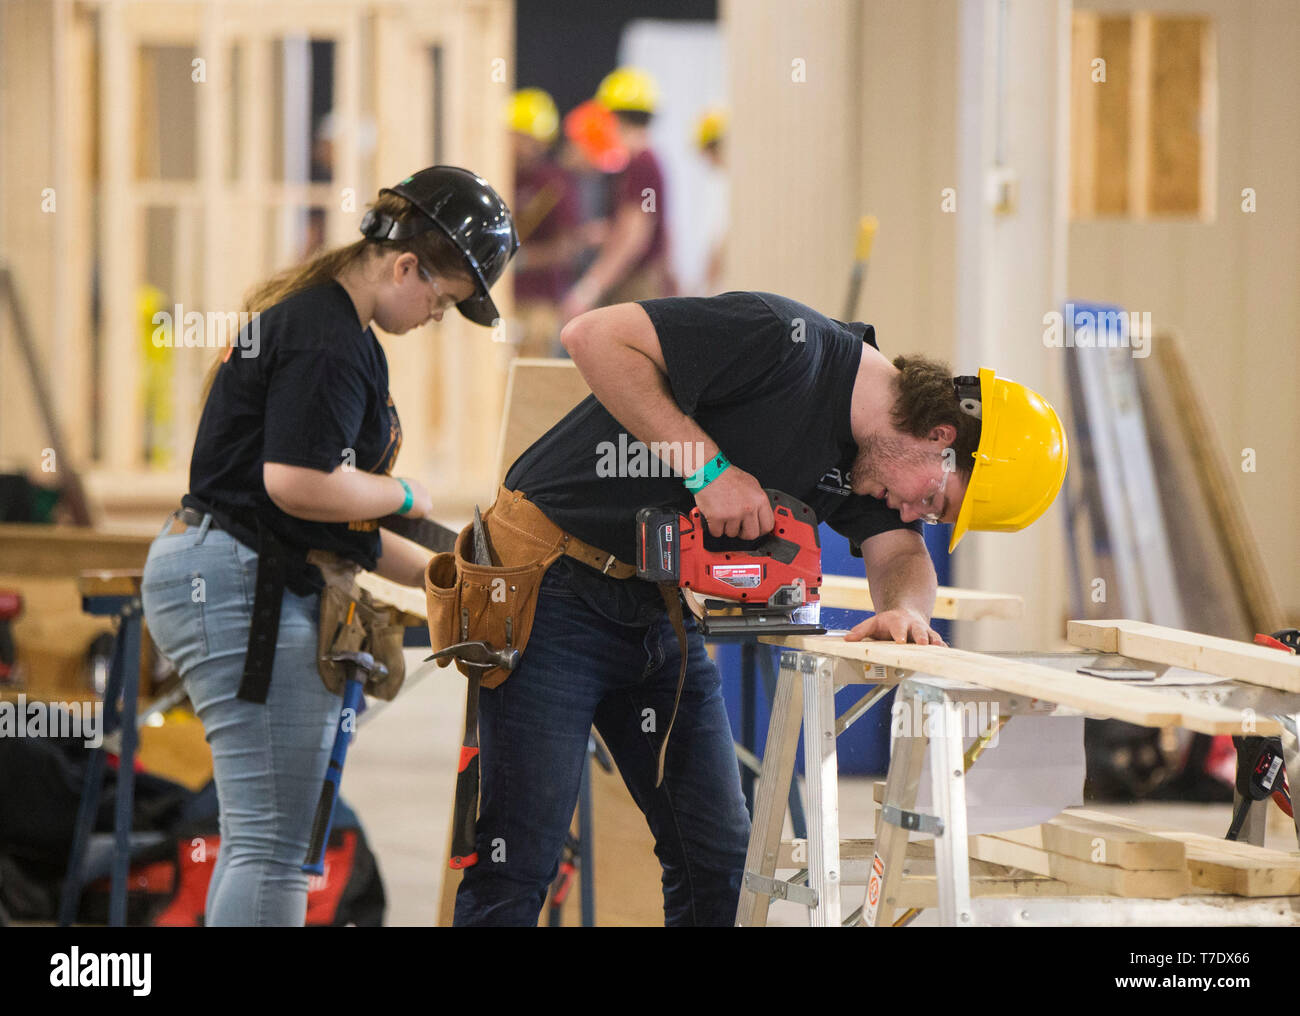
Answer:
(273, 563)
(265, 627)
(192, 517)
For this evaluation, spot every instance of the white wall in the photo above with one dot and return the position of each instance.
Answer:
(688, 61)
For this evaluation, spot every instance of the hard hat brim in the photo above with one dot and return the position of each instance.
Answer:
(480, 309)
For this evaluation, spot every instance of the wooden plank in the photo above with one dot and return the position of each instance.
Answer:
(74, 104)
(1224, 497)
(921, 892)
(122, 424)
(1114, 45)
(1114, 881)
(1241, 869)
(120, 582)
(1139, 120)
(919, 888)
(1092, 695)
(951, 603)
(1238, 876)
(538, 394)
(1223, 866)
(1084, 119)
(1101, 843)
(67, 551)
(1206, 654)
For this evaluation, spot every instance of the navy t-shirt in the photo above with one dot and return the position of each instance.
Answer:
(767, 378)
(315, 395)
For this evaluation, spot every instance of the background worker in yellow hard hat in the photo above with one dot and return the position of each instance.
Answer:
(546, 217)
(710, 137)
(633, 261)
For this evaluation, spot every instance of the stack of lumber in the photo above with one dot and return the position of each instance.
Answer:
(1083, 852)
(919, 889)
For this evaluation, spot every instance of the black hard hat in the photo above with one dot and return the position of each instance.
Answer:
(465, 207)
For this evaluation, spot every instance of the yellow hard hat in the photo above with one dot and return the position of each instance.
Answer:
(628, 90)
(710, 127)
(532, 111)
(1020, 463)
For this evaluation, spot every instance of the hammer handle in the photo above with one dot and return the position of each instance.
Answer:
(329, 792)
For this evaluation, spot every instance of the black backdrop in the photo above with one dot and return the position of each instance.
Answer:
(567, 46)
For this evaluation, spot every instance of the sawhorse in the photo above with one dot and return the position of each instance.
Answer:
(112, 594)
(936, 683)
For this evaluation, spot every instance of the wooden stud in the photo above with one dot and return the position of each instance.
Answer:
(1100, 843)
(1206, 654)
(1139, 118)
(1148, 884)
(1231, 521)
(1084, 122)
(1112, 152)
(951, 603)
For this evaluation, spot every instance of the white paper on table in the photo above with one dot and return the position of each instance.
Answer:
(1033, 773)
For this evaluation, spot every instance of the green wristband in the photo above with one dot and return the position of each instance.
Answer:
(707, 473)
(410, 496)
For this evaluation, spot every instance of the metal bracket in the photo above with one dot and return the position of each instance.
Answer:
(776, 889)
(914, 821)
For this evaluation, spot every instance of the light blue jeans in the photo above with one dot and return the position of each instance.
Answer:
(268, 760)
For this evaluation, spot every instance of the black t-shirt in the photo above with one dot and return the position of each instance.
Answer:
(767, 378)
(314, 395)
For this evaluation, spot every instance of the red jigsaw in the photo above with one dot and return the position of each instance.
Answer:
(768, 583)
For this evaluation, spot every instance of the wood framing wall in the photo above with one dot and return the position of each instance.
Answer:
(1230, 287)
(99, 94)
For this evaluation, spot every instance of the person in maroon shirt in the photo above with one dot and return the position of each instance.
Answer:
(547, 221)
(633, 261)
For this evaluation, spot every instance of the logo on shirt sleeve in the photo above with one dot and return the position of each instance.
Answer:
(837, 481)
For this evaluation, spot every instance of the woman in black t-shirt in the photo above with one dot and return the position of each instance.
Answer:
(295, 453)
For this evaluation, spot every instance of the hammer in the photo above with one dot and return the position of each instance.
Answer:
(358, 667)
(479, 657)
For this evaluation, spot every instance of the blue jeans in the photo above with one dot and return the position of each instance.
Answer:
(268, 760)
(584, 664)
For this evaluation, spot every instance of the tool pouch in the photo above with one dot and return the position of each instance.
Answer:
(492, 603)
(350, 621)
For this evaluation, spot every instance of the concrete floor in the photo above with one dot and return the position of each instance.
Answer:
(401, 776)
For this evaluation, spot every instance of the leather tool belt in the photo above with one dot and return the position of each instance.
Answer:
(496, 603)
